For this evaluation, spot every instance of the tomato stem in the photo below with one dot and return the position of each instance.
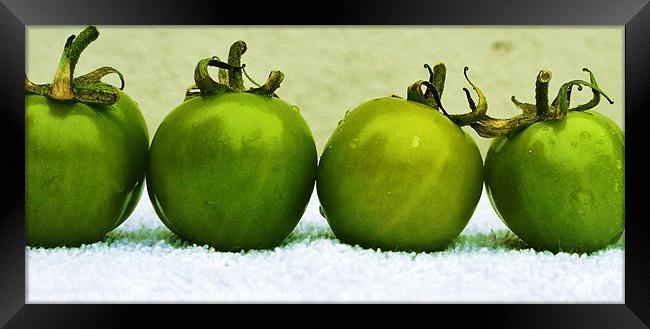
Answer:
(437, 79)
(204, 81)
(87, 88)
(234, 59)
(430, 97)
(596, 94)
(434, 87)
(478, 111)
(540, 111)
(489, 127)
(230, 76)
(271, 84)
(62, 86)
(541, 92)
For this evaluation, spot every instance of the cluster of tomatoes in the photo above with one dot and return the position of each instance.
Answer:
(234, 168)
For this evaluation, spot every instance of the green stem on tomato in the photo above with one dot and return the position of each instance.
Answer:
(271, 84)
(563, 97)
(430, 97)
(235, 79)
(557, 110)
(437, 80)
(230, 76)
(478, 111)
(541, 92)
(489, 127)
(87, 88)
(203, 79)
(596, 95)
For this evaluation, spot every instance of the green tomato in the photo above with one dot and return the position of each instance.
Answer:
(399, 175)
(559, 185)
(233, 170)
(85, 167)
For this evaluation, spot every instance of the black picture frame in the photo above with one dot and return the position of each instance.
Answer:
(633, 14)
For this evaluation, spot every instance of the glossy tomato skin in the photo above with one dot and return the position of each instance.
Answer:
(233, 171)
(559, 185)
(84, 168)
(398, 175)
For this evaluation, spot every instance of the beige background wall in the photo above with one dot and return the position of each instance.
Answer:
(333, 69)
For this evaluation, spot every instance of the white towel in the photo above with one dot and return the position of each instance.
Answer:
(142, 261)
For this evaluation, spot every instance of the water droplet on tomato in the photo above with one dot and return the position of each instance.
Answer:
(389, 193)
(415, 141)
(354, 142)
(530, 152)
(585, 135)
(295, 109)
(583, 197)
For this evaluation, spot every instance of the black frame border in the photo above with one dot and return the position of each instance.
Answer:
(16, 14)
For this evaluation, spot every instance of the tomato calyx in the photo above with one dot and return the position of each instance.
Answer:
(433, 94)
(230, 77)
(489, 127)
(88, 88)
(434, 88)
(540, 111)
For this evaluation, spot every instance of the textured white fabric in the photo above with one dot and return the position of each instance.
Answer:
(142, 261)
